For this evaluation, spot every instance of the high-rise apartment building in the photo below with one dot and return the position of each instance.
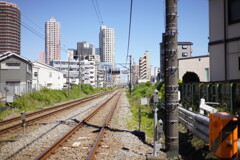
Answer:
(107, 44)
(52, 40)
(145, 67)
(9, 27)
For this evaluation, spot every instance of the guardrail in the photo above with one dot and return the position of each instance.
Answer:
(220, 130)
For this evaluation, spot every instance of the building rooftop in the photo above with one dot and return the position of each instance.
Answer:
(202, 56)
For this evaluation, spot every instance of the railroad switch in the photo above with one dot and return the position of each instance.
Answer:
(223, 135)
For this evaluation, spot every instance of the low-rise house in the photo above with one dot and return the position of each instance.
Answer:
(45, 76)
(15, 75)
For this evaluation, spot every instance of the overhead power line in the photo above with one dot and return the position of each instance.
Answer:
(100, 15)
(32, 22)
(129, 30)
(34, 31)
(97, 11)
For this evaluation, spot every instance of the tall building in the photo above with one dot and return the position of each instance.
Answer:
(84, 48)
(52, 41)
(9, 27)
(107, 44)
(144, 67)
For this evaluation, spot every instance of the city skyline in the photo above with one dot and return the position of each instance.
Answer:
(79, 23)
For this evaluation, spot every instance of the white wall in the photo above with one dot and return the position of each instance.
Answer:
(47, 76)
(194, 64)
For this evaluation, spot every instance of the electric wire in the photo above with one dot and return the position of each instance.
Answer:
(129, 30)
(34, 31)
(37, 33)
(96, 12)
(100, 15)
(32, 22)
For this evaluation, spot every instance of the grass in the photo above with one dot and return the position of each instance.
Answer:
(47, 97)
(142, 90)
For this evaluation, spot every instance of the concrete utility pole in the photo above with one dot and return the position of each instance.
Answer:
(171, 79)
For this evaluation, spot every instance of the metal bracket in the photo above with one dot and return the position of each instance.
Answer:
(172, 88)
(170, 53)
(171, 70)
(172, 15)
(171, 32)
(172, 138)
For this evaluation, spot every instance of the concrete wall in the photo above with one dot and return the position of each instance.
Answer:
(194, 64)
(47, 77)
(224, 66)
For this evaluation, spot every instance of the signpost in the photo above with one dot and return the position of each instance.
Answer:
(23, 117)
(144, 101)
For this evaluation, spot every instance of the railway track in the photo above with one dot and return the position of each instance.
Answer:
(83, 140)
(16, 122)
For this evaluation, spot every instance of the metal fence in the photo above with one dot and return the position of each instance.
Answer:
(226, 93)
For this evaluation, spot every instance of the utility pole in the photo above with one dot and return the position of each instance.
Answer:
(171, 79)
(130, 78)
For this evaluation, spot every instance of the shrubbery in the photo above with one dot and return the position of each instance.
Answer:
(47, 97)
(140, 91)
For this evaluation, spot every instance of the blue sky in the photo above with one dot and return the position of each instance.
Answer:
(79, 23)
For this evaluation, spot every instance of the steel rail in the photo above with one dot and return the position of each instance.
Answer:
(61, 140)
(46, 109)
(71, 105)
(49, 109)
(101, 133)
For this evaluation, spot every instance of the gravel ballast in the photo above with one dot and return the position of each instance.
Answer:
(30, 145)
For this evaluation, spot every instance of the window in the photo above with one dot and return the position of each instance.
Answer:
(184, 47)
(184, 54)
(13, 83)
(233, 11)
(12, 64)
(35, 74)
